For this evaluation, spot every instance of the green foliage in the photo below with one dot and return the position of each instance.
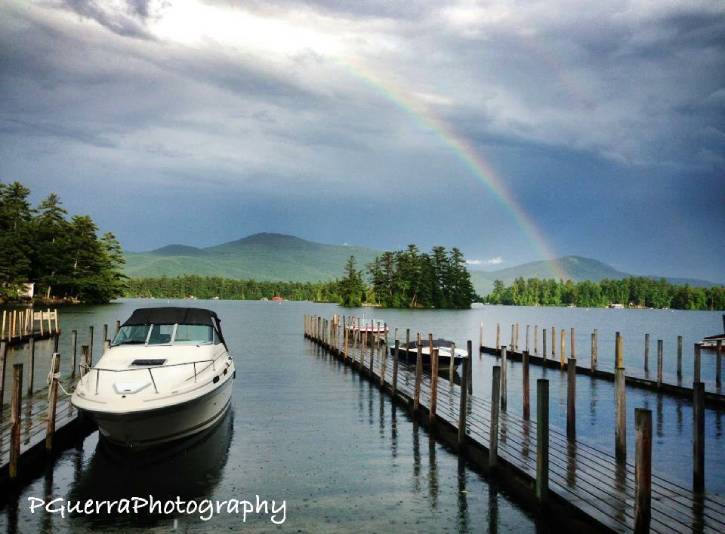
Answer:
(351, 287)
(632, 291)
(65, 258)
(209, 287)
(411, 279)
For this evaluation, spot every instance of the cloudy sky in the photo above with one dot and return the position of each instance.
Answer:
(512, 129)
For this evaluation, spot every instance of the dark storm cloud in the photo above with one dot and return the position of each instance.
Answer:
(129, 22)
(278, 115)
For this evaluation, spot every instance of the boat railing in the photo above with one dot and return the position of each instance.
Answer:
(86, 369)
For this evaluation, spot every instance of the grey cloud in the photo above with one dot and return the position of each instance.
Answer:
(128, 23)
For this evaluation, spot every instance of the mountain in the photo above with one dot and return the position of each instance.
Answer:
(575, 268)
(262, 256)
(269, 256)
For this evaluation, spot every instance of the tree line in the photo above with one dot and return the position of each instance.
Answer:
(65, 257)
(211, 287)
(635, 291)
(410, 279)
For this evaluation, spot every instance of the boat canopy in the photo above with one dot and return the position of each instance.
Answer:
(175, 315)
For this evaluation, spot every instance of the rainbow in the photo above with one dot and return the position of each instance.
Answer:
(464, 151)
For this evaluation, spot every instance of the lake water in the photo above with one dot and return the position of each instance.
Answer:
(307, 430)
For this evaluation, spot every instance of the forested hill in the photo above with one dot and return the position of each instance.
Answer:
(264, 256)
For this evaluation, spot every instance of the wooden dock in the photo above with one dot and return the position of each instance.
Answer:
(633, 377)
(573, 484)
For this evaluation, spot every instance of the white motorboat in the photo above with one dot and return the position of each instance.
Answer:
(166, 375)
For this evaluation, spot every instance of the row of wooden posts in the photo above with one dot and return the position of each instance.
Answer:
(54, 377)
(594, 352)
(22, 323)
(327, 333)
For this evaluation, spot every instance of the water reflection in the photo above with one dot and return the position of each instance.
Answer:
(492, 509)
(432, 472)
(115, 473)
(463, 516)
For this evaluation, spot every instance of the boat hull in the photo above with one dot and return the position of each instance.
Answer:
(411, 357)
(163, 425)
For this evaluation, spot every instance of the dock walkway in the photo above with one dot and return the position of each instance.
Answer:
(584, 482)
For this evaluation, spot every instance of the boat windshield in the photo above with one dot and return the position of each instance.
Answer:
(165, 334)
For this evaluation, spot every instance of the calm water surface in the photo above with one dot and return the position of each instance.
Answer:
(303, 428)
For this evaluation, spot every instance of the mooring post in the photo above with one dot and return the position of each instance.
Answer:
(15, 418)
(646, 353)
(52, 401)
(698, 437)
(643, 470)
(512, 346)
(105, 331)
(495, 402)
(593, 363)
(542, 440)
(516, 339)
(553, 343)
(373, 346)
(620, 433)
(451, 364)
(56, 341)
(463, 400)
(536, 339)
(90, 341)
(384, 360)
(31, 365)
(118, 327)
(679, 357)
(498, 337)
(504, 361)
(571, 399)
(660, 362)
(572, 343)
(86, 356)
(74, 349)
(525, 375)
(3, 365)
(418, 374)
(433, 387)
(696, 371)
(395, 368)
(526, 343)
(562, 348)
(543, 344)
(480, 337)
(718, 363)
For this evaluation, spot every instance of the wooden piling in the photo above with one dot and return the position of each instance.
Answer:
(718, 363)
(571, 399)
(660, 362)
(594, 355)
(74, 349)
(646, 353)
(643, 470)
(698, 437)
(495, 402)
(679, 357)
(16, 401)
(90, 341)
(498, 336)
(512, 346)
(105, 331)
(433, 387)
(31, 364)
(525, 375)
(418, 375)
(516, 339)
(553, 343)
(504, 366)
(480, 337)
(451, 366)
(395, 367)
(562, 348)
(3, 366)
(543, 343)
(52, 401)
(384, 361)
(536, 340)
(118, 327)
(526, 343)
(86, 356)
(542, 440)
(463, 398)
(572, 352)
(56, 341)
(620, 432)
(696, 370)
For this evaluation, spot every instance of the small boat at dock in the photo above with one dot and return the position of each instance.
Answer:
(711, 342)
(408, 353)
(167, 375)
